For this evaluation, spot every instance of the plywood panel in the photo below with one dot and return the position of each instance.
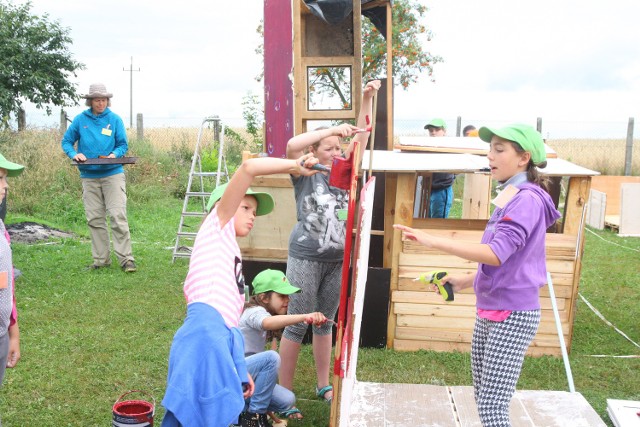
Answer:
(629, 210)
(596, 209)
(559, 409)
(610, 185)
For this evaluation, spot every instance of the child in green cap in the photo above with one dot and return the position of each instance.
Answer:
(9, 331)
(207, 380)
(511, 267)
(263, 319)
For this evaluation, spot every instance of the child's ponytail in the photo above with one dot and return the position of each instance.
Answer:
(534, 175)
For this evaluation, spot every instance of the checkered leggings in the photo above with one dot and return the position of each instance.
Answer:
(497, 355)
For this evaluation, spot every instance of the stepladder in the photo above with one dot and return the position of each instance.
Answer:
(208, 170)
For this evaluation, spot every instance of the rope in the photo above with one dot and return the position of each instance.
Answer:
(610, 242)
(597, 313)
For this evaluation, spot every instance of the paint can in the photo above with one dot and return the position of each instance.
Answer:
(133, 413)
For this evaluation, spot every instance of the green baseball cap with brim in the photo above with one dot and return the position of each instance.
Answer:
(13, 169)
(526, 136)
(265, 201)
(436, 123)
(273, 280)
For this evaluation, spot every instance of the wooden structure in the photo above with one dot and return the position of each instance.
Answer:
(611, 200)
(418, 318)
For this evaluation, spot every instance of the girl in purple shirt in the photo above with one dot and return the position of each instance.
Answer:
(511, 267)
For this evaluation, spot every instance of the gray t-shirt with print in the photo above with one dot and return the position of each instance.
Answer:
(320, 232)
(255, 337)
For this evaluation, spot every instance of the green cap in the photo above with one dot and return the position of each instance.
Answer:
(436, 123)
(273, 280)
(527, 137)
(13, 169)
(265, 201)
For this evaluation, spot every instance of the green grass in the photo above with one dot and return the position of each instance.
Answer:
(89, 336)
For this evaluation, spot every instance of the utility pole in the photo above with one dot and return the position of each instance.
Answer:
(131, 70)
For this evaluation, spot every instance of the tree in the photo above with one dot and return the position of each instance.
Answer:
(35, 61)
(409, 57)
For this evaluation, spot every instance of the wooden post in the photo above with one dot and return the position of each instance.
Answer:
(458, 126)
(22, 120)
(539, 124)
(139, 127)
(628, 154)
(63, 121)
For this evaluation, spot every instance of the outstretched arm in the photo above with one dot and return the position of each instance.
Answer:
(478, 252)
(366, 110)
(249, 169)
(297, 145)
(274, 323)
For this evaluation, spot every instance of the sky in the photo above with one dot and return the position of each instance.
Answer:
(574, 63)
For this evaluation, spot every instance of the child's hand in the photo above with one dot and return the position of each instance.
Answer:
(317, 319)
(415, 235)
(305, 163)
(345, 130)
(371, 88)
(248, 388)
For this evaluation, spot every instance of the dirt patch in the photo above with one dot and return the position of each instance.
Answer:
(32, 232)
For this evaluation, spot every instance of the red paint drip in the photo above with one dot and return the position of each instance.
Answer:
(368, 121)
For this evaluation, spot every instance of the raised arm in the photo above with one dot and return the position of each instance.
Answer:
(249, 169)
(366, 110)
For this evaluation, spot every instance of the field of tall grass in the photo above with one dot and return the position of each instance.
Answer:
(87, 337)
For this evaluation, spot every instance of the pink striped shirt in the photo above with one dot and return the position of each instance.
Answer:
(215, 270)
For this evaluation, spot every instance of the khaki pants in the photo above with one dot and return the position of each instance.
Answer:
(102, 197)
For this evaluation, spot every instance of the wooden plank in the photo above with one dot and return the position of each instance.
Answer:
(476, 196)
(415, 345)
(467, 410)
(107, 161)
(629, 208)
(596, 209)
(577, 197)
(392, 404)
(558, 409)
(403, 214)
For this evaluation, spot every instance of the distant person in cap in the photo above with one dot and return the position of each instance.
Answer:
(207, 353)
(441, 194)
(263, 319)
(9, 331)
(469, 130)
(511, 267)
(98, 132)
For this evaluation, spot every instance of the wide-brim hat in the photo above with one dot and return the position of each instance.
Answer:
(273, 280)
(97, 90)
(436, 123)
(13, 169)
(265, 201)
(526, 136)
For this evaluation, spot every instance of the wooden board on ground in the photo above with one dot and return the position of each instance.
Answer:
(624, 413)
(392, 404)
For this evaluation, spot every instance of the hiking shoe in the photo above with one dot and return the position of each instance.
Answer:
(97, 267)
(249, 419)
(129, 267)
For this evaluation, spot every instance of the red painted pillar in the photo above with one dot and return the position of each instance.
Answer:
(278, 64)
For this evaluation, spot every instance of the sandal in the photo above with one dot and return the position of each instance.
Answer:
(320, 392)
(291, 414)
